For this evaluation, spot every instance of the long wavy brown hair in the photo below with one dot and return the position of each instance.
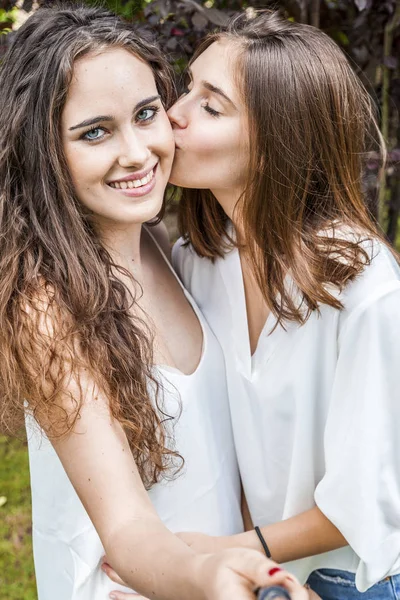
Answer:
(311, 123)
(64, 311)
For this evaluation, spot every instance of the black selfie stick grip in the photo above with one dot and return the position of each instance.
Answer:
(273, 593)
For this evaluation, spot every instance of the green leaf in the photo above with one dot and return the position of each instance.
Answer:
(341, 38)
(8, 16)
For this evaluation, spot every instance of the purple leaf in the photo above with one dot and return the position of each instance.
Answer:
(199, 21)
(177, 32)
(390, 62)
(172, 44)
(394, 155)
(217, 17)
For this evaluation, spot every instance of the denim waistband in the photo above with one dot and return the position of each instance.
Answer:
(334, 584)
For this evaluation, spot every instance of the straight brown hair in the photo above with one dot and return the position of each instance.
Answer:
(311, 123)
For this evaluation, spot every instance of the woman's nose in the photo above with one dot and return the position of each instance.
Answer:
(134, 151)
(177, 115)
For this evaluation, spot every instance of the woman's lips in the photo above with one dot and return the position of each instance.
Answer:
(127, 188)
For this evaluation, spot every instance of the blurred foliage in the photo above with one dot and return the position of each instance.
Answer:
(7, 19)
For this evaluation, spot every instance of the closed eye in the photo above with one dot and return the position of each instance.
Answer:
(211, 111)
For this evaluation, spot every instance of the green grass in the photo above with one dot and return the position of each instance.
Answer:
(17, 578)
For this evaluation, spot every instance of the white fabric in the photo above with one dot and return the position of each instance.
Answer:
(205, 497)
(316, 409)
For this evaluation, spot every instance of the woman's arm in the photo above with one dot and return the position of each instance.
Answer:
(144, 553)
(100, 465)
(306, 534)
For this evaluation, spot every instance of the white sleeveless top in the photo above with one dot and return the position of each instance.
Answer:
(204, 497)
(315, 410)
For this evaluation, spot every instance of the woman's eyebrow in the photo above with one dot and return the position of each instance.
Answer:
(92, 121)
(212, 88)
(216, 90)
(101, 118)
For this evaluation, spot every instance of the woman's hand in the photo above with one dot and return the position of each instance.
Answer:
(234, 573)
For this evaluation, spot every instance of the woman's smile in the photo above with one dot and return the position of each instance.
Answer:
(136, 184)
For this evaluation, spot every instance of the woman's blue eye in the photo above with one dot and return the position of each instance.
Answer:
(93, 134)
(147, 114)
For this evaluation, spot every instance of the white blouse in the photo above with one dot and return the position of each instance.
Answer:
(316, 409)
(204, 497)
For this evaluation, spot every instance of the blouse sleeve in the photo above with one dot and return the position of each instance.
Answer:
(360, 490)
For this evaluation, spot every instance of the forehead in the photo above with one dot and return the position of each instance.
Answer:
(105, 81)
(218, 65)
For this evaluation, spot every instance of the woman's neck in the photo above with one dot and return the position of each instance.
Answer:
(123, 242)
(228, 200)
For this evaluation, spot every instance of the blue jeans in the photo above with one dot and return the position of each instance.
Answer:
(331, 584)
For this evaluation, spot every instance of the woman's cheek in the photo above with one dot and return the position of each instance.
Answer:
(165, 136)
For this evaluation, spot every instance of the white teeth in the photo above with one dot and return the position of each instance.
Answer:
(135, 183)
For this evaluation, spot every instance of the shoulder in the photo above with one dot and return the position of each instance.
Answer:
(375, 293)
(381, 273)
(379, 268)
(188, 264)
(183, 256)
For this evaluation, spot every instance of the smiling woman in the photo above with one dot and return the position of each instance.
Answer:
(132, 129)
(117, 393)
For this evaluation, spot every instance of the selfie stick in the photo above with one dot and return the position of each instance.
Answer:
(273, 593)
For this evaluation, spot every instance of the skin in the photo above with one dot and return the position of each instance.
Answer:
(278, 577)
(212, 154)
(210, 129)
(132, 141)
(145, 554)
